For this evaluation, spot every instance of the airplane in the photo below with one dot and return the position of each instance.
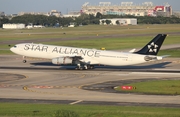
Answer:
(85, 58)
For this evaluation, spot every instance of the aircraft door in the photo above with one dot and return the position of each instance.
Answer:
(130, 57)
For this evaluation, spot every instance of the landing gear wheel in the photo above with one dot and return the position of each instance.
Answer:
(81, 68)
(85, 67)
(24, 61)
(91, 66)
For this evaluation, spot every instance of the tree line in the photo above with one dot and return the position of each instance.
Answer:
(84, 19)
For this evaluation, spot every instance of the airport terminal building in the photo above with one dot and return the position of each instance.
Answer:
(128, 8)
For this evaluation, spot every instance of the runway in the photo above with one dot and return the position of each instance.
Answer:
(38, 81)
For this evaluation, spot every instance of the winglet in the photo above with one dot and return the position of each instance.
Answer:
(153, 47)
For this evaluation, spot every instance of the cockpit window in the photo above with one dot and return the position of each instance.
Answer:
(15, 46)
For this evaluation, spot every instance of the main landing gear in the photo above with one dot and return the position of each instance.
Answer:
(84, 67)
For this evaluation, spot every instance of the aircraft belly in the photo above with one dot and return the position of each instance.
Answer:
(36, 54)
(120, 61)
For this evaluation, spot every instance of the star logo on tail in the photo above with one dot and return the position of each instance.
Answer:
(152, 47)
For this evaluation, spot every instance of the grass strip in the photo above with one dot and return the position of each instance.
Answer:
(163, 87)
(48, 110)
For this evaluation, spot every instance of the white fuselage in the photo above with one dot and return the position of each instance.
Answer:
(90, 56)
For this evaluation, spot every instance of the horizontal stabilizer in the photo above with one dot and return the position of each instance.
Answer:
(132, 51)
(151, 57)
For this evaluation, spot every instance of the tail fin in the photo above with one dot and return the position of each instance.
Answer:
(152, 48)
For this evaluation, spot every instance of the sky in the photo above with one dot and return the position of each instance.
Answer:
(64, 6)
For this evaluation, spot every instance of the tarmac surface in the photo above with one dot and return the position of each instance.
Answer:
(38, 81)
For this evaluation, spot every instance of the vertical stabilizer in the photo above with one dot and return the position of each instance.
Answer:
(153, 47)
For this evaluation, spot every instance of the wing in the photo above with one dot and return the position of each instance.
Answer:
(84, 60)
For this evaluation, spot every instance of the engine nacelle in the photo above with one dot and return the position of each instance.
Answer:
(64, 60)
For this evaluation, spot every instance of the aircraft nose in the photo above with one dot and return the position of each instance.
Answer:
(12, 49)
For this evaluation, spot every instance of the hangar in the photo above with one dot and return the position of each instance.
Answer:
(120, 21)
(13, 26)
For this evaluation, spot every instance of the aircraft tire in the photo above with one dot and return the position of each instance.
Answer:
(24, 61)
(81, 68)
(92, 67)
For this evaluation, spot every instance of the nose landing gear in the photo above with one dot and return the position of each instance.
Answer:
(24, 59)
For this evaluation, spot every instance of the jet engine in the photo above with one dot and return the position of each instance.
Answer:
(62, 60)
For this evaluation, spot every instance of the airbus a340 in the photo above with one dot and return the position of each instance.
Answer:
(87, 58)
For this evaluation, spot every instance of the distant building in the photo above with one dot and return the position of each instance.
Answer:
(73, 14)
(176, 13)
(32, 13)
(54, 13)
(14, 15)
(51, 13)
(2, 14)
(13, 26)
(127, 8)
(29, 26)
(120, 21)
(72, 24)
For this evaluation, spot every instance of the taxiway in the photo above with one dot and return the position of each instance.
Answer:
(40, 81)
